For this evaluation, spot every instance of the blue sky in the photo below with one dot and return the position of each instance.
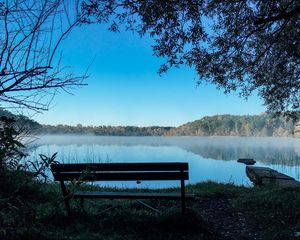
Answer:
(125, 89)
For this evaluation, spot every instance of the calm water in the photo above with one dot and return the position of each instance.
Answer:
(209, 158)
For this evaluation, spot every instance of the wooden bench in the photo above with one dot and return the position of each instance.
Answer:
(122, 172)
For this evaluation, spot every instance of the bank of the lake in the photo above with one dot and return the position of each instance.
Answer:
(34, 210)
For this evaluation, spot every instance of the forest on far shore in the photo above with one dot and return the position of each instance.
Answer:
(263, 125)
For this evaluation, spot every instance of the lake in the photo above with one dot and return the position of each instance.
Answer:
(209, 158)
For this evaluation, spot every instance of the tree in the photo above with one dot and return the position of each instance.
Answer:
(242, 46)
(31, 33)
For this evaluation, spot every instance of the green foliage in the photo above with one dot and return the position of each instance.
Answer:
(35, 210)
(21, 121)
(106, 130)
(11, 149)
(264, 125)
(210, 189)
(23, 202)
(39, 167)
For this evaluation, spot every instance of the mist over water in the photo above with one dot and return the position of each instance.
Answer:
(209, 158)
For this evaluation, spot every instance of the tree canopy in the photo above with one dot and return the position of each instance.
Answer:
(243, 46)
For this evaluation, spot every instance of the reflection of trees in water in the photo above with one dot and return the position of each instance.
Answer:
(281, 151)
(265, 154)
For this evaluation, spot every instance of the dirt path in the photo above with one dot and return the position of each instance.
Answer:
(226, 222)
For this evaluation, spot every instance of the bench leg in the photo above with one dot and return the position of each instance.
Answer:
(66, 197)
(182, 196)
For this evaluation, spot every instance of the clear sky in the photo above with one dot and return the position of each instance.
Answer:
(125, 89)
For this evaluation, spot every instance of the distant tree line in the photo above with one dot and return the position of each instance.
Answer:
(106, 130)
(263, 125)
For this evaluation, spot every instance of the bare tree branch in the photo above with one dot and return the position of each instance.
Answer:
(29, 68)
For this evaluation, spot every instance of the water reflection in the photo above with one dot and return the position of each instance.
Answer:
(209, 158)
(282, 151)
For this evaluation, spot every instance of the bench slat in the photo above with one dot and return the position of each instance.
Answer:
(121, 176)
(130, 195)
(164, 166)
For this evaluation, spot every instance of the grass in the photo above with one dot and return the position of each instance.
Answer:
(277, 211)
(33, 210)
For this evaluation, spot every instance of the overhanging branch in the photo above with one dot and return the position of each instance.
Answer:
(285, 15)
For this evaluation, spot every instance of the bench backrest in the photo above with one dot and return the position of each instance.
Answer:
(120, 171)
